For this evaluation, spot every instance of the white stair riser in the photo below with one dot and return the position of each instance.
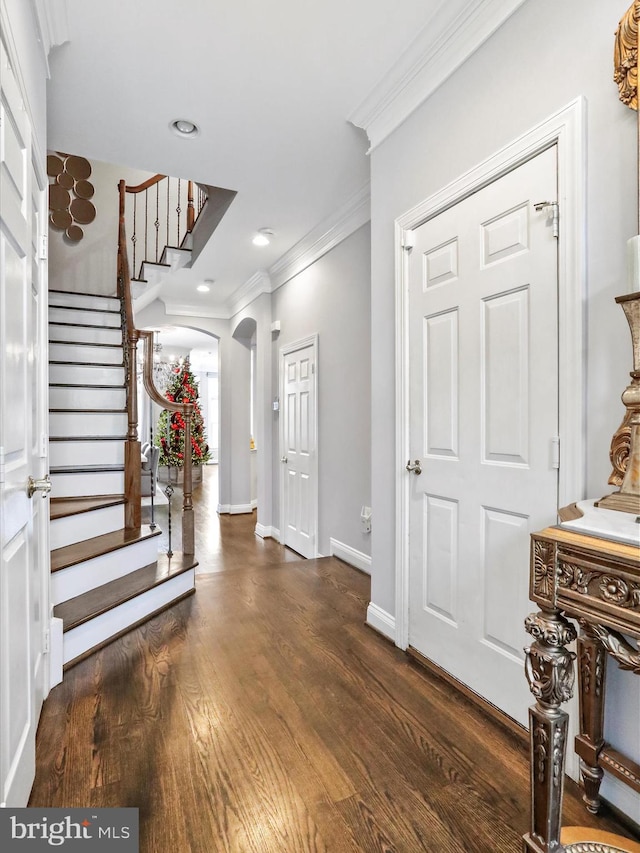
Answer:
(87, 398)
(85, 525)
(82, 300)
(87, 354)
(90, 483)
(80, 374)
(91, 318)
(63, 453)
(110, 624)
(76, 580)
(82, 334)
(87, 423)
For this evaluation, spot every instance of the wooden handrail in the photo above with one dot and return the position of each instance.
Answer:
(150, 182)
(133, 514)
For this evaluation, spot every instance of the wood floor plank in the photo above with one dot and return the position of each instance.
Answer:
(263, 716)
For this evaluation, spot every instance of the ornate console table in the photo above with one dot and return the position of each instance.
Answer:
(593, 578)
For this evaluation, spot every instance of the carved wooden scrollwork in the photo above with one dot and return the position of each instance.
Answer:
(620, 649)
(543, 569)
(619, 451)
(625, 56)
(591, 847)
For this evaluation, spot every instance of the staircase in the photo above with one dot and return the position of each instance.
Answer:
(105, 578)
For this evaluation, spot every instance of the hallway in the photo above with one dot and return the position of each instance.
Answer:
(262, 716)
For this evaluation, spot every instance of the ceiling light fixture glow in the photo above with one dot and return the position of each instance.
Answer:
(203, 288)
(185, 128)
(262, 237)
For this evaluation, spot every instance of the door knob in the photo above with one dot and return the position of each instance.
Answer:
(43, 486)
(284, 459)
(416, 467)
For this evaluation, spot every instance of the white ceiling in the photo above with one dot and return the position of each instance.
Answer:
(271, 86)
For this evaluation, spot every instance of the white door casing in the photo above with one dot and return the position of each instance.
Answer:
(567, 129)
(483, 422)
(298, 446)
(24, 557)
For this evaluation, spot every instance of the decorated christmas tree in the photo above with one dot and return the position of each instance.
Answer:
(182, 388)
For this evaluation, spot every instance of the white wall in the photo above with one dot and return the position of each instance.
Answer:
(90, 265)
(544, 57)
(332, 298)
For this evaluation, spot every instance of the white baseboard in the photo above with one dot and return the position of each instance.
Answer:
(254, 503)
(381, 621)
(56, 651)
(350, 555)
(264, 531)
(234, 509)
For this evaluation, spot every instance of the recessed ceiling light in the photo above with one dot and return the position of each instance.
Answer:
(263, 237)
(184, 127)
(203, 288)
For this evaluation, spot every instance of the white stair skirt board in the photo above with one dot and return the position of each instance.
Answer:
(104, 452)
(86, 398)
(90, 354)
(56, 651)
(87, 483)
(381, 621)
(84, 300)
(89, 374)
(89, 318)
(79, 423)
(350, 555)
(75, 580)
(90, 634)
(85, 525)
(83, 334)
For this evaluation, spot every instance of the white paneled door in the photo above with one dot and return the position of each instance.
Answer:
(298, 442)
(23, 521)
(483, 342)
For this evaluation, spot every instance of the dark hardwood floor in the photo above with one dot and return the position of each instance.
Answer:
(262, 716)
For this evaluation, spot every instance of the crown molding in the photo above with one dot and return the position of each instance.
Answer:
(441, 47)
(258, 284)
(180, 310)
(53, 24)
(324, 237)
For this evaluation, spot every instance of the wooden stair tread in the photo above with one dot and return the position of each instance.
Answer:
(88, 438)
(64, 507)
(85, 344)
(89, 310)
(81, 293)
(78, 552)
(84, 469)
(89, 411)
(77, 385)
(81, 326)
(100, 600)
(86, 363)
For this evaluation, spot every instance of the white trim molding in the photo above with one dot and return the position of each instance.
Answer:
(264, 531)
(447, 40)
(353, 214)
(350, 555)
(566, 129)
(234, 509)
(52, 18)
(244, 295)
(381, 621)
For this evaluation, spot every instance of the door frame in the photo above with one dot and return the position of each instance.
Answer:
(566, 129)
(287, 349)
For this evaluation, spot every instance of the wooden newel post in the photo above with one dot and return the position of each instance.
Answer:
(132, 458)
(191, 215)
(188, 533)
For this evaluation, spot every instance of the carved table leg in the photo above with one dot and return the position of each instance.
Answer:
(592, 667)
(549, 670)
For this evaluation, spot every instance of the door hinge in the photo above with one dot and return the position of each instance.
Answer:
(44, 445)
(553, 213)
(555, 452)
(46, 642)
(1, 464)
(43, 249)
(408, 240)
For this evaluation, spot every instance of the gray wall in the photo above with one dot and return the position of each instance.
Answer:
(332, 298)
(545, 56)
